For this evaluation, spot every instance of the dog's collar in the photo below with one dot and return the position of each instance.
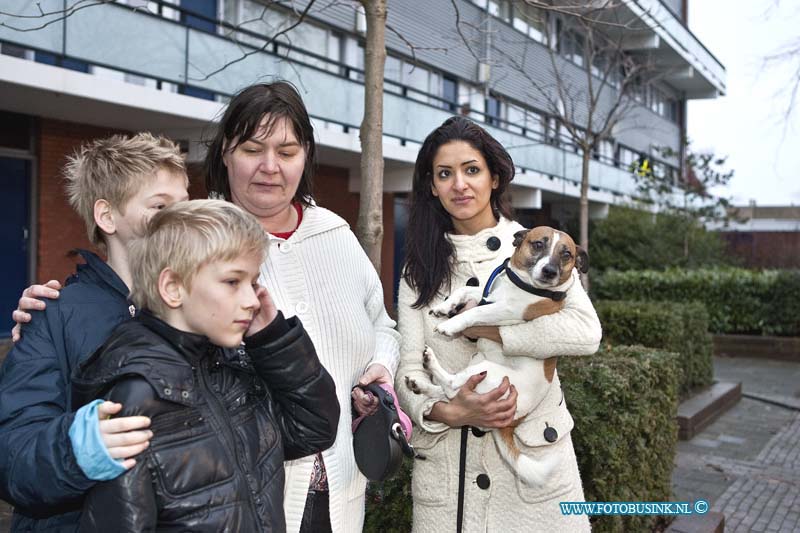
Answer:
(556, 296)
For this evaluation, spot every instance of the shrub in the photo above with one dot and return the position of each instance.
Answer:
(624, 401)
(389, 504)
(675, 327)
(738, 300)
(631, 239)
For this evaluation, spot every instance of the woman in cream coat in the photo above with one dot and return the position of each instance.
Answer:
(459, 231)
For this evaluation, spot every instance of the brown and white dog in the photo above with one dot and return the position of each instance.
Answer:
(532, 284)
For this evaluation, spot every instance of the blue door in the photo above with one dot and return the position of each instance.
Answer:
(14, 201)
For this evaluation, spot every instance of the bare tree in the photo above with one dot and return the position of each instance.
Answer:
(786, 54)
(593, 79)
(370, 211)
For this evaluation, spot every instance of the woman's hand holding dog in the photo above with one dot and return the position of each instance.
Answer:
(484, 332)
(468, 408)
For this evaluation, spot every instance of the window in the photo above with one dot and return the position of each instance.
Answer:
(672, 110)
(416, 77)
(259, 20)
(206, 14)
(493, 108)
(553, 131)
(449, 93)
(535, 124)
(516, 119)
(531, 21)
(500, 9)
(571, 45)
(392, 69)
(604, 151)
(627, 158)
(599, 65)
(256, 19)
(15, 51)
(434, 87)
(471, 101)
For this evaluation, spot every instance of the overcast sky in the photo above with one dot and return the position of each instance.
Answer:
(748, 124)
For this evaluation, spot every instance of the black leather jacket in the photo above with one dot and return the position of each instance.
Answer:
(223, 422)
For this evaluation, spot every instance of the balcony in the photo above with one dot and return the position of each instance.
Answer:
(689, 66)
(140, 43)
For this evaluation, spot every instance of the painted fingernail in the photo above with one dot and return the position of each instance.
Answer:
(483, 373)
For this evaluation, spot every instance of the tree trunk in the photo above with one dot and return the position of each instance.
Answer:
(370, 211)
(584, 211)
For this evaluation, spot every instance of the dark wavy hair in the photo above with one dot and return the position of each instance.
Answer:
(429, 254)
(241, 121)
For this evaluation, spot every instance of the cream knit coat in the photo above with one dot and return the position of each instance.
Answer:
(507, 504)
(322, 275)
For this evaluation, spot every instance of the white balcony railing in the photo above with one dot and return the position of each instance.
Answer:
(119, 37)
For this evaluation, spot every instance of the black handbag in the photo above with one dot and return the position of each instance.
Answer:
(378, 439)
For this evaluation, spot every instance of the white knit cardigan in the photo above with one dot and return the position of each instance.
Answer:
(322, 275)
(507, 504)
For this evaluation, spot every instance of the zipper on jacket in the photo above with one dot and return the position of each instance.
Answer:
(218, 409)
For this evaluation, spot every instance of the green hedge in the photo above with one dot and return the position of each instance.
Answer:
(670, 326)
(738, 300)
(389, 507)
(624, 402)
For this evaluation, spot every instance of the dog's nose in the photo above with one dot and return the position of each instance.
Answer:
(549, 271)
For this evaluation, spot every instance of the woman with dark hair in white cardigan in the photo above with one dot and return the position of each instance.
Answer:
(459, 230)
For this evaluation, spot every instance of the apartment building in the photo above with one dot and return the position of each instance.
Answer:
(71, 71)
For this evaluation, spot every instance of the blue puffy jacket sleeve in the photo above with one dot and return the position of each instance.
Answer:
(38, 468)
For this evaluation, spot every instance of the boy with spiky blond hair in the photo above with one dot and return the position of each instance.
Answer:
(49, 455)
(225, 416)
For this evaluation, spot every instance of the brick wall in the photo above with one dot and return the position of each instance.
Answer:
(765, 249)
(60, 229)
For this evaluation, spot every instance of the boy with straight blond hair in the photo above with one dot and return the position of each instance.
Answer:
(49, 455)
(225, 416)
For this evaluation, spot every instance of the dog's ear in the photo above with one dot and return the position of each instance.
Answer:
(519, 237)
(581, 259)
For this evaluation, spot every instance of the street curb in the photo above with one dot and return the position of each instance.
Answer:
(699, 411)
(698, 523)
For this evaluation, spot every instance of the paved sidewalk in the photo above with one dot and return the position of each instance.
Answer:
(747, 463)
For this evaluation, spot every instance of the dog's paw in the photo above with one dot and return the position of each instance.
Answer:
(447, 329)
(448, 308)
(426, 357)
(440, 310)
(412, 385)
